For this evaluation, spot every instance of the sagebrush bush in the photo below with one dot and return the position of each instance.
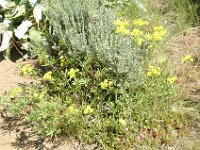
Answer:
(87, 30)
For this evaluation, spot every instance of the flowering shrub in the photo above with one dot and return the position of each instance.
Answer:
(96, 85)
(153, 71)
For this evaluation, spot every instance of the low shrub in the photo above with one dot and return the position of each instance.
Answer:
(100, 82)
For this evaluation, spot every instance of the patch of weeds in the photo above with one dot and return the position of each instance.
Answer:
(104, 85)
(83, 103)
(179, 15)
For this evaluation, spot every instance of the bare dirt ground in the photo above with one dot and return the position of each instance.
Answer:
(9, 76)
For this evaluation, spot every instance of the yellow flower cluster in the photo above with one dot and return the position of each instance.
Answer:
(48, 76)
(149, 37)
(105, 84)
(62, 61)
(138, 35)
(18, 89)
(158, 28)
(150, 47)
(88, 110)
(15, 91)
(36, 95)
(139, 41)
(39, 95)
(72, 72)
(122, 122)
(159, 33)
(26, 69)
(122, 27)
(153, 71)
(171, 80)
(187, 58)
(140, 22)
(72, 109)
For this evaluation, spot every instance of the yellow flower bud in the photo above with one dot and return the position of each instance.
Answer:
(122, 122)
(88, 110)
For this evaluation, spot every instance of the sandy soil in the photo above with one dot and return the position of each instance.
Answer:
(9, 76)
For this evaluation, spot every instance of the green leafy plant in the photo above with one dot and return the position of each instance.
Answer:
(17, 18)
(101, 81)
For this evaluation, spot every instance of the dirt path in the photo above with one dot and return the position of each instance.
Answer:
(9, 76)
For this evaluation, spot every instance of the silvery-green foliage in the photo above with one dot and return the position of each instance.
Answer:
(88, 31)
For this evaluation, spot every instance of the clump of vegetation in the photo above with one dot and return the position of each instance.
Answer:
(100, 79)
(179, 15)
(19, 22)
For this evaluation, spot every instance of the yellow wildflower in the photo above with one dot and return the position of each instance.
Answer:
(72, 72)
(72, 109)
(158, 68)
(171, 80)
(62, 61)
(150, 47)
(17, 90)
(26, 69)
(88, 110)
(187, 58)
(149, 74)
(122, 27)
(156, 72)
(47, 76)
(136, 33)
(121, 23)
(159, 33)
(35, 95)
(163, 60)
(153, 71)
(140, 22)
(39, 95)
(163, 32)
(151, 67)
(149, 37)
(158, 28)
(105, 84)
(139, 41)
(157, 36)
(42, 95)
(122, 122)
(122, 30)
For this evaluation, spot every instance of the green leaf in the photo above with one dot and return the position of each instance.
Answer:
(11, 5)
(21, 10)
(35, 35)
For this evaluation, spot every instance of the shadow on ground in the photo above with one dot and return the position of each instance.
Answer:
(25, 139)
